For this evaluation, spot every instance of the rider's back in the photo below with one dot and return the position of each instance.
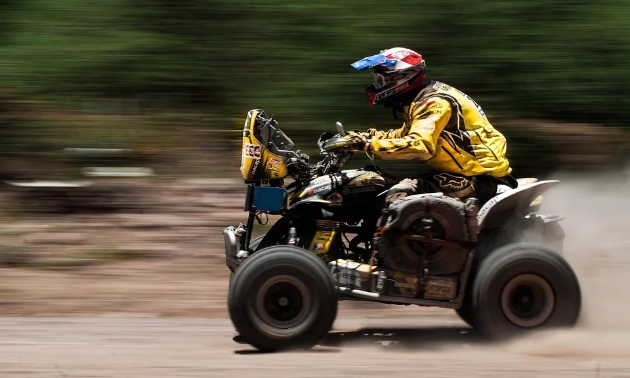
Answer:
(446, 128)
(467, 144)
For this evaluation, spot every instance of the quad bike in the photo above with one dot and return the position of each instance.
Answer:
(500, 267)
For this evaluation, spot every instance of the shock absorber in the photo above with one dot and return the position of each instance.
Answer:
(325, 234)
(292, 239)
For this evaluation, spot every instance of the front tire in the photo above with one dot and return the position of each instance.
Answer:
(523, 287)
(465, 313)
(282, 297)
(254, 243)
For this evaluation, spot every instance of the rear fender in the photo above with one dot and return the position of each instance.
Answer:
(516, 202)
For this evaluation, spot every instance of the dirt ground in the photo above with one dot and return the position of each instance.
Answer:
(188, 347)
(162, 312)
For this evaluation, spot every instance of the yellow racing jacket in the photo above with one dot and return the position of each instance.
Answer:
(446, 128)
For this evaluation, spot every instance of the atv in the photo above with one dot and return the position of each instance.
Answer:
(499, 266)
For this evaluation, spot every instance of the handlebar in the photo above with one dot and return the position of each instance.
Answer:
(331, 147)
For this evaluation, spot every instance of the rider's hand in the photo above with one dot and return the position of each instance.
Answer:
(355, 141)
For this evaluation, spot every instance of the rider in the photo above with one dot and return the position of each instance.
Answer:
(443, 126)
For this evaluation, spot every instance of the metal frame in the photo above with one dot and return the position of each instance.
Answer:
(362, 295)
(234, 242)
(249, 206)
(348, 293)
(231, 251)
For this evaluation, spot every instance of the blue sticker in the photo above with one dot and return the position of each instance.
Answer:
(337, 274)
(373, 61)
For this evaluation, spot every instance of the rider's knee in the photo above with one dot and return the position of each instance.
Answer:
(403, 189)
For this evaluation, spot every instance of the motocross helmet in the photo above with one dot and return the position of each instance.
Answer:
(396, 71)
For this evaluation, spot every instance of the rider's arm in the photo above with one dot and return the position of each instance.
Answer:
(417, 141)
(393, 133)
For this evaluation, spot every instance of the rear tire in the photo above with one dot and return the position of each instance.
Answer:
(282, 297)
(523, 287)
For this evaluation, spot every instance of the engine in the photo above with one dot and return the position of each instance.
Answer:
(431, 216)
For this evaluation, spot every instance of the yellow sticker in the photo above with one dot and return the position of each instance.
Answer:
(321, 243)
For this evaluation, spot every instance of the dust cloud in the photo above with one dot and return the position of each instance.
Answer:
(597, 245)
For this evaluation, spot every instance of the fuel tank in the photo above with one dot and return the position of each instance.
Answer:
(353, 187)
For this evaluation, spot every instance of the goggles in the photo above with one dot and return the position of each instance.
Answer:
(382, 79)
(379, 80)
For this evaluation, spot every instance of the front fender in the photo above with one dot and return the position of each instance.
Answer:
(301, 213)
(311, 201)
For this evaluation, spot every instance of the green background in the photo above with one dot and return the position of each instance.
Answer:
(193, 68)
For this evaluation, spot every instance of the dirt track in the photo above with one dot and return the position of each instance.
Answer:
(127, 347)
(107, 325)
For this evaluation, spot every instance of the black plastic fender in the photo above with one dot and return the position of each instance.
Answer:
(301, 213)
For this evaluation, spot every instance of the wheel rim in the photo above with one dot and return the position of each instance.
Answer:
(527, 300)
(283, 307)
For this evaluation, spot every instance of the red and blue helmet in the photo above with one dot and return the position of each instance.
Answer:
(396, 71)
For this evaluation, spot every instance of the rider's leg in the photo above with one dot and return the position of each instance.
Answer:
(485, 188)
(450, 184)
(454, 185)
(403, 189)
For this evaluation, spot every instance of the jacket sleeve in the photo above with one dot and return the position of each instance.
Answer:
(416, 140)
(393, 133)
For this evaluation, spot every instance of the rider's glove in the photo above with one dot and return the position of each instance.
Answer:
(356, 141)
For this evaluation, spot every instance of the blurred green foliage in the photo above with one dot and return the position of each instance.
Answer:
(220, 58)
(553, 59)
